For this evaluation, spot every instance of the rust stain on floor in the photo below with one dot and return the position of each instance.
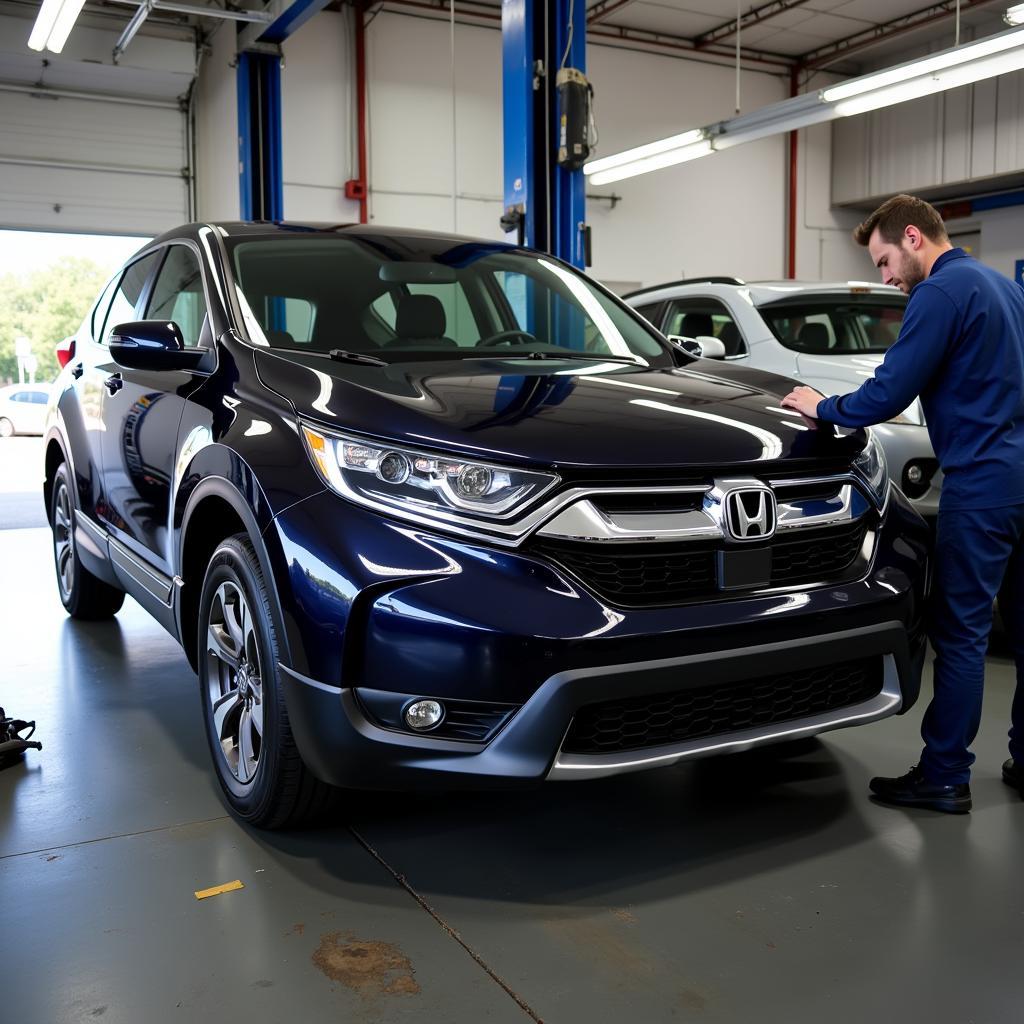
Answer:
(296, 929)
(367, 967)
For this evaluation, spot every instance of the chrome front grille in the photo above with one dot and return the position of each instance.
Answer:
(661, 547)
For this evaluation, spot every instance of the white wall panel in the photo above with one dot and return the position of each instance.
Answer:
(317, 120)
(217, 188)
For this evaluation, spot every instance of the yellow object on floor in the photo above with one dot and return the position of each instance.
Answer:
(202, 894)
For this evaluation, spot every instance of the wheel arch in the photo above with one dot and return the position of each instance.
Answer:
(215, 511)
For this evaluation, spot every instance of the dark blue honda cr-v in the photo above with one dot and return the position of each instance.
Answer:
(429, 510)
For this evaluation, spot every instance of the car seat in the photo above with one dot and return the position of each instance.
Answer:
(420, 320)
(697, 325)
(813, 338)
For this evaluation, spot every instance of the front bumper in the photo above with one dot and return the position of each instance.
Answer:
(342, 746)
(459, 622)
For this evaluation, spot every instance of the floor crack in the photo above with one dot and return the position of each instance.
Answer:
(448, 929)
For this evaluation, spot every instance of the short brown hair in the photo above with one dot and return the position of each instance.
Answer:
(895, 215)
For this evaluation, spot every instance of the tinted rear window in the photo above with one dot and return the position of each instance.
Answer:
(836, 325)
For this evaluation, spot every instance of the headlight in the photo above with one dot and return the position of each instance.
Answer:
(417, 485)
(871, 467)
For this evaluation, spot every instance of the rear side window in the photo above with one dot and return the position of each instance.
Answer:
(127, 295)
(836, 325)
(178, 294)
(705, 317)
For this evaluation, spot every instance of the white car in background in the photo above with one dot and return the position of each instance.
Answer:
(23, 408)
(830, 336)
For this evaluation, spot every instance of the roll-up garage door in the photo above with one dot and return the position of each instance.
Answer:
(90, 146)
(91, 165)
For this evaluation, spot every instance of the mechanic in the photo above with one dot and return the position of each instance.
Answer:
(961, 349)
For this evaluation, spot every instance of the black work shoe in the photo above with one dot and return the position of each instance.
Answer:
(914, 790)
(1013, 776)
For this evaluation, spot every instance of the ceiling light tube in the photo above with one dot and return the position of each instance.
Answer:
(44, 23)
(927, 85)
(1014, 15)
(64, 24)
(654, 163)
(954, 57)
(629, 156)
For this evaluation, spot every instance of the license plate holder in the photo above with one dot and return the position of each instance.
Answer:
(744, 569)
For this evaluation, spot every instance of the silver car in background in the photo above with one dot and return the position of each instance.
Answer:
(830, 336)
(23, 408)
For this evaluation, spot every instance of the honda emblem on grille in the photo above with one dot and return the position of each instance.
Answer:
(750, 514)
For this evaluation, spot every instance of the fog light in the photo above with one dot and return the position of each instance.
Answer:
(423, 714)
(914, 474)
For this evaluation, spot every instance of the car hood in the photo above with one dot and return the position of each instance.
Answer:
(582, 414)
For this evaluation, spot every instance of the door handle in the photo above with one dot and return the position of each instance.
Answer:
(114, 384)
(77, 370)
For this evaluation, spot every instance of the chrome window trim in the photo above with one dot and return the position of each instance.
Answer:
(887, 702)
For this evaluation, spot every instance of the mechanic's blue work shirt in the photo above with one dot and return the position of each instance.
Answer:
(961, 348)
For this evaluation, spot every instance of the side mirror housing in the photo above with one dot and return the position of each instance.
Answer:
(152, 345)
(702, 347)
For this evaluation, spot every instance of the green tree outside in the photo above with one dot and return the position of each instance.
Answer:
(45, 306)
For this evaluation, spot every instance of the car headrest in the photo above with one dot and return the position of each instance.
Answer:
(420, 316)
(279, 339)
(696, 325)
(729, 336)
(813, 338)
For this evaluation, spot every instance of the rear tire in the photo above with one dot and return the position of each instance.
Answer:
(83, 595)
(6, 427)
(258, 764)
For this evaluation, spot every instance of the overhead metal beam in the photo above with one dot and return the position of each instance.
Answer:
(199, 10)
(830, 54)
(755, 16)
(604, 8)
(286, 16)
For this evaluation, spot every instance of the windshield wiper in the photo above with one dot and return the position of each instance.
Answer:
(568, 354)
(341, 355)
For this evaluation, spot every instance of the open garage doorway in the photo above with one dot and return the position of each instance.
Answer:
(48, 283)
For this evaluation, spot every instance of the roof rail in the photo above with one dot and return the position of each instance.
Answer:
(685, 280)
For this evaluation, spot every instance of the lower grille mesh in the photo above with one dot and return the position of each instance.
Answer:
(697, 712)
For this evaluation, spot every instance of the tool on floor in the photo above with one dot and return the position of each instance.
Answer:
(13, 745)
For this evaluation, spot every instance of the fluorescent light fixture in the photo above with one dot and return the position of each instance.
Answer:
(927, 85)
(54, 22)
(652, 163)
(955, 57)
(628, 156)
(961, 65)
(1014, 15)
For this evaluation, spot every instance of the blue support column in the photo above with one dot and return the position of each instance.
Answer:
(544, 204)
(569, 189)
(261, 185)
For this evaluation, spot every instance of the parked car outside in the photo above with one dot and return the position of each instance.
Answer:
(432, 511)
(23, 409)
(830, 336)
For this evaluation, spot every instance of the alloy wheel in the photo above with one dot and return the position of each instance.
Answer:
(235, 681)
(64, 540)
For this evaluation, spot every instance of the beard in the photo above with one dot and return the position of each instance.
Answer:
(912, 271)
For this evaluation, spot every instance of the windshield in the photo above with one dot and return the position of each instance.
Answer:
(419, 298)
(836, 325)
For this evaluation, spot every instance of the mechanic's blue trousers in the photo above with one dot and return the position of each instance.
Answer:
(974, 550)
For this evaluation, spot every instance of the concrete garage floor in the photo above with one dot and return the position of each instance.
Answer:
(734, 890)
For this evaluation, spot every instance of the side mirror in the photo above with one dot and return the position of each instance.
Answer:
(703, 347)
(152, 345)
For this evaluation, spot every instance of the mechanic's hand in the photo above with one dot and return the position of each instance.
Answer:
(804, 400)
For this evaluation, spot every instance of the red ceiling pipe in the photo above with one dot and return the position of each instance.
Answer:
(794, 86)
(357, 189)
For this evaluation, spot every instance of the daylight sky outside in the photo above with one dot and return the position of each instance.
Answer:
(21, 252)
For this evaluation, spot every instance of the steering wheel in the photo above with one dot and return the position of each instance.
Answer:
(503, 336)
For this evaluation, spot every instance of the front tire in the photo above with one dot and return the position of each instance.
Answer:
(258, 764)
(6, 427)
(83, 595)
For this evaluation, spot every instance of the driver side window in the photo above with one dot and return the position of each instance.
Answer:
(178, 295)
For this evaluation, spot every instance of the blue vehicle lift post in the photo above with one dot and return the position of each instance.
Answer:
(260, 176)
(544, 203)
